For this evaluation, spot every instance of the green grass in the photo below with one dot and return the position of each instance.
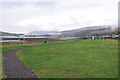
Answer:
(6, 47)
(82, 59)
(0, 62)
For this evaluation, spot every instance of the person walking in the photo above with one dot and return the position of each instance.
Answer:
(45, 42)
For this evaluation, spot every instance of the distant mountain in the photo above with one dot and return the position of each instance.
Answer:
(93, 28)
(90, 30)
(87, 31)
(7, 34)
(76, 32)
(42, 32)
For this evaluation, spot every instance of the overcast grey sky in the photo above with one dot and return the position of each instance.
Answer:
(35, 15)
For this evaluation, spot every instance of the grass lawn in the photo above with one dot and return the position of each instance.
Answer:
(0, 62)
(73, 59)
(5, 47)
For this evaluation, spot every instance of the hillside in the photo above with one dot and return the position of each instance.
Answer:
(88, 31)
(7, 34)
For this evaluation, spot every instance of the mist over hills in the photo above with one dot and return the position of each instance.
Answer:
(42, 32)
(7, 34)
(75, 32)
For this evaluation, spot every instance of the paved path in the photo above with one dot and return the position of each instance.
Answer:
(14, 68)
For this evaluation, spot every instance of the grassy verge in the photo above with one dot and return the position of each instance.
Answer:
(6, 47)
(78, 59)
(0, 62)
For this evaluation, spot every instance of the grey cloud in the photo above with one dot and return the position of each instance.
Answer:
(25, 16)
